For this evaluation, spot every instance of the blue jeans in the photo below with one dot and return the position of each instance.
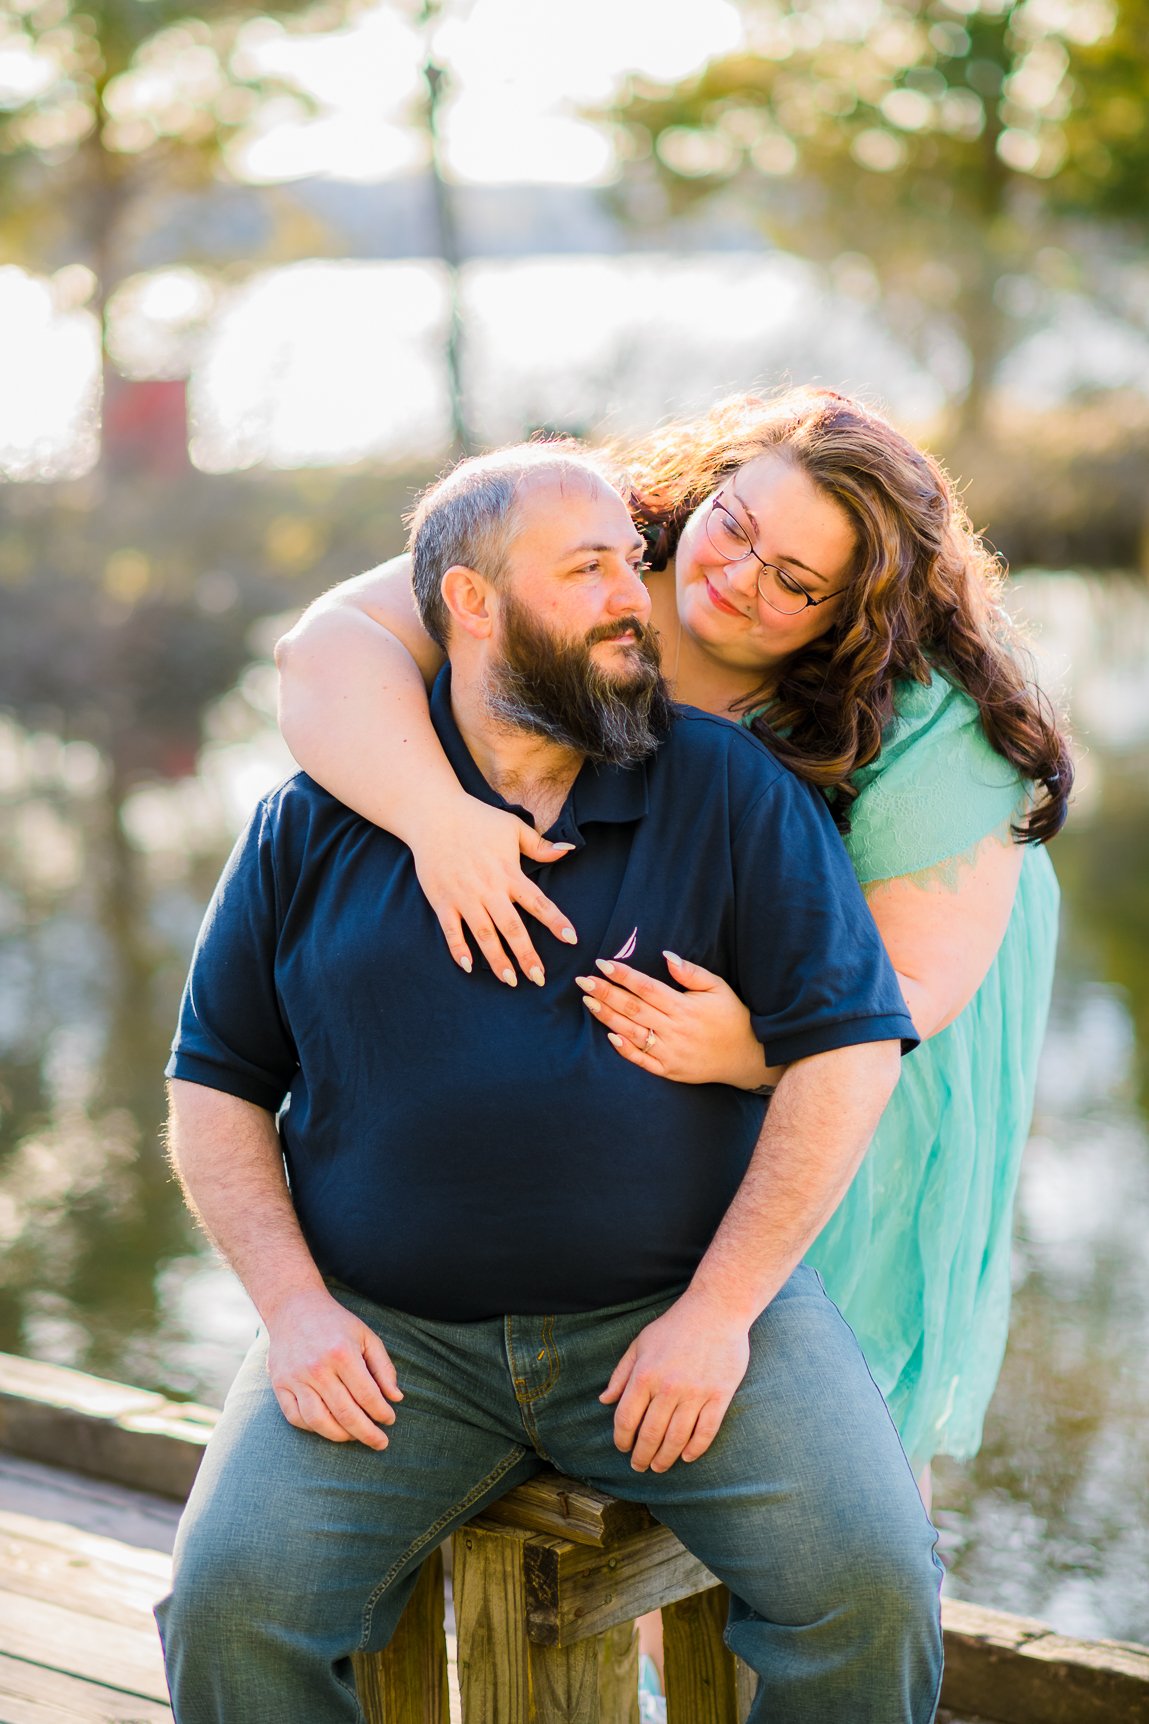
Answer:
(295, 1552)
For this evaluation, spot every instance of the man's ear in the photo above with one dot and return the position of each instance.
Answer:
(466, 595)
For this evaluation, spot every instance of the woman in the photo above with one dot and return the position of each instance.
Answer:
(812, 574)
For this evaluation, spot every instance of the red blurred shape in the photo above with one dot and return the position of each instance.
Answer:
(145, 427)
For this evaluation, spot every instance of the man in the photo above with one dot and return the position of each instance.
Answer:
(501, 1244)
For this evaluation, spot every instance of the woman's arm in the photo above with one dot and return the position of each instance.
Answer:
(943, 928)
(353, 679)
(354, 674)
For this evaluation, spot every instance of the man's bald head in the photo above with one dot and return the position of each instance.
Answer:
(469, 517)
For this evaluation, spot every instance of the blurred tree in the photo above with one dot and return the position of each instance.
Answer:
(107, 109)
(939, 152)
(119, 626)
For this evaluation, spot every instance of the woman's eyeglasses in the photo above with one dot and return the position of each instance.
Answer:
(776, 588)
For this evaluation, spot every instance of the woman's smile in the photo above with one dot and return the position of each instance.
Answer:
(722, 604)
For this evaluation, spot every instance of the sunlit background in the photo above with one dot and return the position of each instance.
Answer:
(263, 272)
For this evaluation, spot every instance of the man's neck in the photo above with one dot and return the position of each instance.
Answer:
(525, 769)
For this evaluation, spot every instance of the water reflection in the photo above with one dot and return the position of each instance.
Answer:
(97, 1258)
(99, 1267)
(1052, 1518)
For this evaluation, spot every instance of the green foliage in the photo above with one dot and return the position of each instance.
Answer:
(1106, 168)
(115, 105)
(942, 143)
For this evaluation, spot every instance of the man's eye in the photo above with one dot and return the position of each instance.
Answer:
(641, 569)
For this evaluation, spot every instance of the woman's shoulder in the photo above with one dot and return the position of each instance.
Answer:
(936, 725)
(936, 788)
(921, 709)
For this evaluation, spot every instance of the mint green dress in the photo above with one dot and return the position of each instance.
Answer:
(917, 1257)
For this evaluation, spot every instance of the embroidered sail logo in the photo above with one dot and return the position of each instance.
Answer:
(627, 951)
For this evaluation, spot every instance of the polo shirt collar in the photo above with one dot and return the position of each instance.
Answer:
(611, 794)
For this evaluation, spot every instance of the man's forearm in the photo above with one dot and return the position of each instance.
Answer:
(818, 1127)
(331, 1373)
(227, 1155)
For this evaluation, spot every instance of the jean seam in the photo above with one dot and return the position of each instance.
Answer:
(353, 1694)
(526, 1396)
(515, 1454)
(939, 1566)
(555, 1362)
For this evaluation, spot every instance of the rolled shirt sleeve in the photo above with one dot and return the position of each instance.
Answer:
(813, 969)
(231, 1034)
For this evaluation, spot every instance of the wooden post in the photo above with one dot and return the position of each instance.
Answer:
(564, 1685)
(491, 1625)
(406, 1683)
(508, 1676)
(618, 1674)
(701, 1687)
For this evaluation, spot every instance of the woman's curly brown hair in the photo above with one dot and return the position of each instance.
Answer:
(924, 591)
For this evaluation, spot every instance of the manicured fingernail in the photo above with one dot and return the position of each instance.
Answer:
(615, 1041)
(563, 847)
(592, 1006)
(586, 983)
(465, 962)
(569, 935)
(605, 966)
(672, 957)
(536, 975)
(510, 978)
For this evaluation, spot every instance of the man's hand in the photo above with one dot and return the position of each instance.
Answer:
(674, 1383)
(330, 1372)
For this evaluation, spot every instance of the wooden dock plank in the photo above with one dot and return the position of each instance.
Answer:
(49, 1493)
(115, 1654)
(29, 1694)
(77, 1540)
(60, 1566)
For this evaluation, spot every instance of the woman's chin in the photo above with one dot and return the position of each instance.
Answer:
(721, 638)
(710, 627)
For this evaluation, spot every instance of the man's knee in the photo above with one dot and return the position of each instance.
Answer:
(897, 1581)
(884, 1544)
(230, 1582)
(869, 1566)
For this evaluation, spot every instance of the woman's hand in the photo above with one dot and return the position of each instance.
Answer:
(700, 1035)
(470, 869)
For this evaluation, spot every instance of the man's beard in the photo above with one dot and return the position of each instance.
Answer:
(554, 688)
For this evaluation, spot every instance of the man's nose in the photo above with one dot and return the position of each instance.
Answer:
(629, 595)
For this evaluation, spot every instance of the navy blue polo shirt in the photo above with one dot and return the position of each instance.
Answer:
(459, 1149)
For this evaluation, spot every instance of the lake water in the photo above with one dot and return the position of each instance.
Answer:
(99, 1267)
